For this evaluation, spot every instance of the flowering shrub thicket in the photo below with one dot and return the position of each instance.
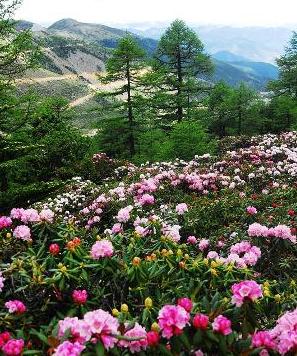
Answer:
(190, 258)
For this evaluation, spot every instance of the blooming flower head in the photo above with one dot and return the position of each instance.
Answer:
(222, 325)
(172, 320)
(4, 337)
(15, 306)
(124, 214)
(79, 329)
(263, 339)
(251, 210)
(30, 215)
(153, 338)
(5, 222)
(192, 240)
(257, 230)
(80, 296)
(203, 244)
(47, 215)
(186, 303)
(104, 325)
(22, 232)
(181, 208)
(13, 347)
(137, 332)
(68, 348)
(102, 248)
(245, 290)
(146, 199)
(200, 321)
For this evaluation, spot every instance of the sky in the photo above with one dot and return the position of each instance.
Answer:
(202, 12)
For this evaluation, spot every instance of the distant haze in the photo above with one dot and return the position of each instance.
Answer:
(219, 12)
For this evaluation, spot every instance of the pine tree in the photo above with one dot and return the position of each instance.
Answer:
(179, 63)
(287, 63)
(123, 71)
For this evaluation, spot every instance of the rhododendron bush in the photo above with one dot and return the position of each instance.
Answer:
(190, 258)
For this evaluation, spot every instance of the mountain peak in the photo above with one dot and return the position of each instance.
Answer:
(64, 24)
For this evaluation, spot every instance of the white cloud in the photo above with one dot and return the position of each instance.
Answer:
(227, 12)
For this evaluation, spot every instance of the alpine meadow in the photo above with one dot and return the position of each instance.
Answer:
(148, 178)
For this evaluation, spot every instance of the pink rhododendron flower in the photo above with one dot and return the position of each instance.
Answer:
(22, 232)
(251, 210)
(200, 321)
(54, 249)
(245, 290)
(5, 222)
(47, 215)
(172, 232)
(68, 348)
(104, 325)
(203, 244)
(198, 353)
(79, 329)
(4, 337)
(257, 230)
(117, 228)
(102, 248)
(13, 347)
(80, 296)
(153, 338)
(30, 215)
(15, 306)
(192, 240)
(222, 325)
(124, 214)
(138, 332)
(172, 320)
(212, 254)
(263, 339)
(17, 213)
(181, 208)
(146, 199)
(186, 303)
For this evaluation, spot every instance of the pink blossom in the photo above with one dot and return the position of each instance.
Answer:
(124, 214)
(13, 347)
(222, 325)
(5, 222)
(181, 208)
(257, 230)
(153, 338)
(146, 199)
(4, 337)
(22, 232)
(80, 296)
(79, 329)
(102, 248)
(203, 244)
(138, 332)
(104, 325)
(186, 303)
(251, 210)
(263, 339)
(117, 228)
(17, 213)
(47, 215)
(200, 321)
(172, 232)
(192, 240)
(245, 290)
(30, 215)
(68, 348)
(172, 320)
(198, 353)
(212, 254)
(15, 306)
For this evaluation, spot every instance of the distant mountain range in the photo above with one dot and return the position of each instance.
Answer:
(260, 44)
(70, 46)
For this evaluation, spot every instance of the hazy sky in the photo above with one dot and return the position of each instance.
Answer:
(226, 12)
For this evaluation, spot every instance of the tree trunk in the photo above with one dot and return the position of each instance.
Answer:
(179, 88)
(130, 112)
